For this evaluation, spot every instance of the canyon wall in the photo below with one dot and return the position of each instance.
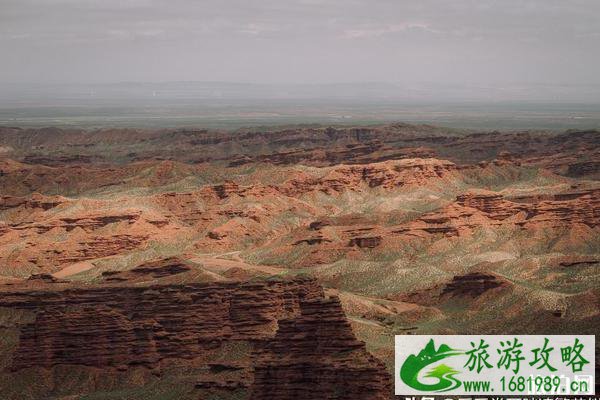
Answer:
(297, 335)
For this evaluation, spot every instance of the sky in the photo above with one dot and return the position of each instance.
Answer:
(487, 42)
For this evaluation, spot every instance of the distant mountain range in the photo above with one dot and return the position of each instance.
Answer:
(16, 93)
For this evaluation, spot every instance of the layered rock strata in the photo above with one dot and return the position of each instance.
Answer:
(303, 344)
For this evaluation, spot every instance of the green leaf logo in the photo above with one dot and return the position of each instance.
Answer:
(409, 373)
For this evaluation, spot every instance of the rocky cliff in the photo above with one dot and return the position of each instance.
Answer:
(319, 340)
(298, 335)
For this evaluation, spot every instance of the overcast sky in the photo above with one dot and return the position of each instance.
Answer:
(303, 41)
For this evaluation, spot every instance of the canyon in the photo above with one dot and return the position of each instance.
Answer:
(280, 262)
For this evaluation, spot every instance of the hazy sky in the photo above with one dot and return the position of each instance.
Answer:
(453, 41)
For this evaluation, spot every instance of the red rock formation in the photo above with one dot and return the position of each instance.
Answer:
(387, 175)
(95, 247)
(479, 208)
(365, 242)
(309, 354)
(466, 287)
(332, 238)
(473, 284)
(76, 154)
(152, 269)
(372, 152)
(490, 203)
(119, 325)
(34, 202)
(126, 325)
